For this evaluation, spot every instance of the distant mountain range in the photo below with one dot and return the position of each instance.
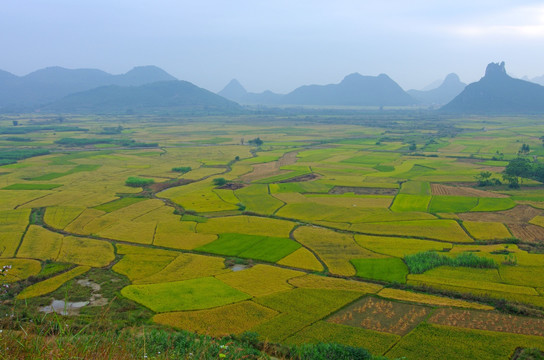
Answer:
(149, 89)
(353, 90)
(53, 83)
(158, 97)
(443, 94)
(236, 92)
(498, 93)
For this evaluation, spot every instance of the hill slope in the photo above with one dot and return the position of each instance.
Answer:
(498, 93)
(236, 92)
(353, 90)
(53, 83)
(165, 96)
(443, 94)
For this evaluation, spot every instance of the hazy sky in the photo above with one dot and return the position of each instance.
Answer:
(277, 44)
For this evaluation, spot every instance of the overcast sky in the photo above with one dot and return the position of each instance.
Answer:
(277, 44)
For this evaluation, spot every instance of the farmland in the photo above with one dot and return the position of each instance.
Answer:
(331, 230)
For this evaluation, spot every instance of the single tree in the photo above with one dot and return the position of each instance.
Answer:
(219, 181)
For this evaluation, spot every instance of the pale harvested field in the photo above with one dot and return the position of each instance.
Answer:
(527, 232)
(439, 189)
(261, 171)
(517, 220)
(521, 214)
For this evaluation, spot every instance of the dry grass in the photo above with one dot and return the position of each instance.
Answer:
(40, 243)
(187, 266)
(334, 248)
(439, 189)
(60, 216)
(221, 321)
(487, 230)
(321, 282)
(20, 269)
(180, 235)
(51, 284)
(84, 251)
(302, 258)
(404, 295)
(260, 280)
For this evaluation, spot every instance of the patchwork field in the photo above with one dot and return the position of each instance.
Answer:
(331, 230)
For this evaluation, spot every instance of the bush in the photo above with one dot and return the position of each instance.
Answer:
(427, 260)
(219, 181)
(531, 354)
(256, 142)
(182, 169)
(323, 351)
(135, 181)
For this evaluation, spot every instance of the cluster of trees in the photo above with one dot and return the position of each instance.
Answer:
(182, 169)
(484, 179)
(255, 142)
(111, 130)
(522, 167)
(135, 181)
(11, 156)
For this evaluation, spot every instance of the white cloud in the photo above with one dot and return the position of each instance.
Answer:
(519, 22)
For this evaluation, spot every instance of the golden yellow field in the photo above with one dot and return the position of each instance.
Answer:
(84, 251)
(51, 284)
(334, 248)
(311, 281)
(302, 258)
(187, 266)
(252, 281)
(225, 320)
(40, 243)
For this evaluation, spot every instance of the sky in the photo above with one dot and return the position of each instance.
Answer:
(276, 45)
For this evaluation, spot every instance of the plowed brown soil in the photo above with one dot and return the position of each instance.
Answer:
(517, 220)
(528, 232)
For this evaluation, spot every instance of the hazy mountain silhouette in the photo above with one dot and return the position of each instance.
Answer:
(433, 85)
(233, 91)
(158, 97)
(354, 90)
(53, 83)
(443, 94)
(498, 93)
(538, 80)
(236, 92)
